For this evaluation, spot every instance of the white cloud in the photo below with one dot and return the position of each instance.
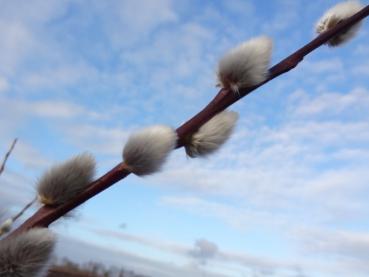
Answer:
(356, 101)
(59, 76)
(48, 109)
(362, 69)
(308, 162)
(340, 250)
(362, 49)
(33, 12)
(239, 7)
(334, 242)
(209, 258)
(282, 21)
(203, 250)
(349, 249)
(275, 165)
(176, 62)
(324, 66)
(99, 139)
(237, 217)
(334, 70)
(4, 84)
(163, 245)
(30, 157)
(275, 169)
(128, 21)
(82, 251)
(55, 109)
(21, 30)
(16, 41)
(16, 189)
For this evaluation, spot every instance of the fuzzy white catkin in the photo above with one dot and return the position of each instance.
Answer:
(334, 16)
(27, 254)
(146, 151)
(212, 135)
(246, 65)
(6, 226)
(64, 181)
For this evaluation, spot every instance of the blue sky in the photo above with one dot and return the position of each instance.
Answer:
(286, 196)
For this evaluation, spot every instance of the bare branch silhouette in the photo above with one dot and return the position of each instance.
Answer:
(6, 157)
(25, 208)
(6, 226)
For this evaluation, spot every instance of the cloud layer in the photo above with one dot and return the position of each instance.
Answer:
(286, 196)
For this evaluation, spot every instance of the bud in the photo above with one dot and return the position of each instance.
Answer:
(335, 15)
(146, 151)
(6, 226)
(27, 254)
(64, 181)
(212, 135)
(246, 65)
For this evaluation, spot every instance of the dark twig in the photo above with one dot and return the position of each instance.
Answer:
(15, 217)
(2, 167)
(47, 214)
(25, 208)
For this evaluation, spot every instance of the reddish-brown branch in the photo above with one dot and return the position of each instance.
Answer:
(46, 215)
(6, 157)
(226, 98)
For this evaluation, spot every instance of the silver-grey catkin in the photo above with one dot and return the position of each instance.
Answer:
(27, 254)
(334, 16)
(6, 226)
(146, 151)
(212, 135)
(245, 65)
(66, 180)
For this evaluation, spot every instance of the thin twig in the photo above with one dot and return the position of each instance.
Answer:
(47, 214)
(15, 217)
(25, 208)
(2, 167)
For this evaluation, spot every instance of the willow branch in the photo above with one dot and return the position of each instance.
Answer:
(48, 214)
(225, 98)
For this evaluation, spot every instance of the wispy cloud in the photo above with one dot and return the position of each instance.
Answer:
(209, 256)
(330, 103)
(348, 248)
(82, 250)
(4, 85)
